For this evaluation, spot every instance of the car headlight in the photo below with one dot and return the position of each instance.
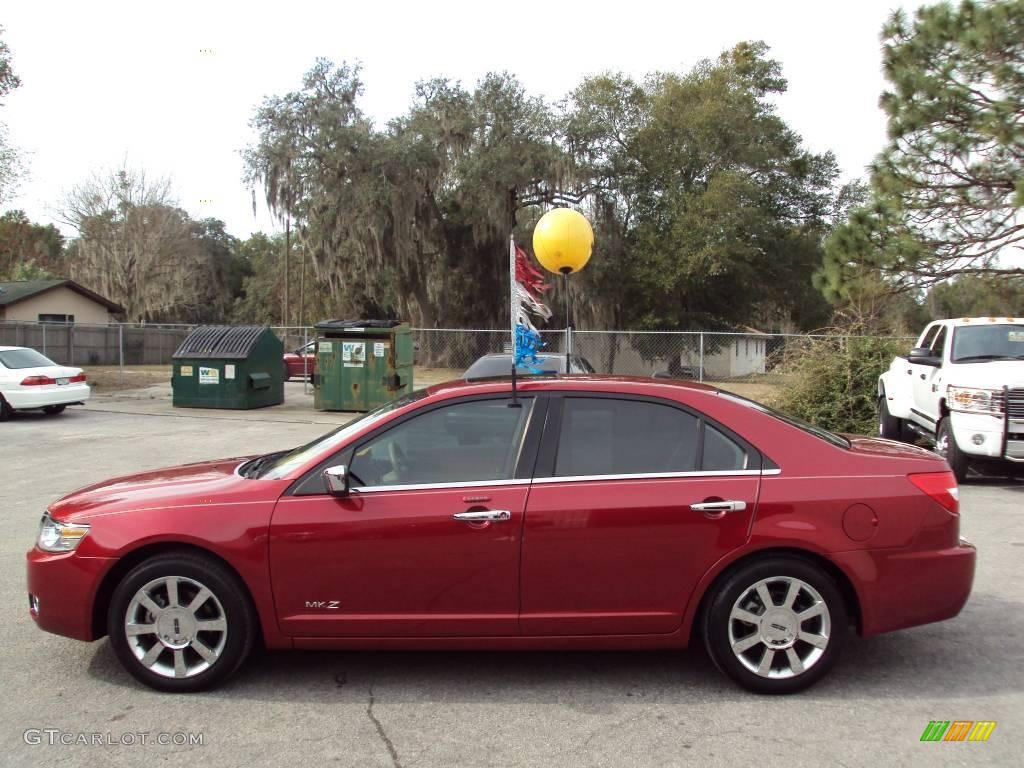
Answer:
(55, 536)
(972, 400)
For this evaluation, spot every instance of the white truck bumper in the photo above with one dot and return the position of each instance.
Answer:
(992, 437)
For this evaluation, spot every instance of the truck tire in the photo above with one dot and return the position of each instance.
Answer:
(946, 447)
(889, 426)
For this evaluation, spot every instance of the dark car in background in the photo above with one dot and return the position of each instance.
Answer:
(500, 364)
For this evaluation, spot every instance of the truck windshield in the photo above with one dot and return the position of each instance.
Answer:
(981, 343)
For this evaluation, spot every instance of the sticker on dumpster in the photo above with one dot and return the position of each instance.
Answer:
(209, 375)
(353, 353)
(325, 346)
(1015, 335)
(378, 348)
(229, 371)
(185, 370)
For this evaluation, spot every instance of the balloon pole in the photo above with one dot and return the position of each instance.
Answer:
(568, 332)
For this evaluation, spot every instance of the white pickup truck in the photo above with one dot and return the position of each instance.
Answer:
(961, 388)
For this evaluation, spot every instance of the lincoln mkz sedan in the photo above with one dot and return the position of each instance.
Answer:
(587, 513)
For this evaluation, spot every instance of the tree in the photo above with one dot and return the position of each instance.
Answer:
(706, 207)
(137, 248)
(29, 250)
(948, 189)
(11, 166)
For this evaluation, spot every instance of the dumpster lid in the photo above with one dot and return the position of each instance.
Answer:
(223, 342)
(335, 325)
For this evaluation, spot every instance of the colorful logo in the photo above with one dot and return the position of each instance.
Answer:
(958, 730)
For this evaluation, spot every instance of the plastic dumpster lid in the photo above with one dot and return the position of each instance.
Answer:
(225, 342)
(335, 325)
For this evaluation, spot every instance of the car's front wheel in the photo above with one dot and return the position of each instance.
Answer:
(775, 625)
(946, 447)
(181, 622)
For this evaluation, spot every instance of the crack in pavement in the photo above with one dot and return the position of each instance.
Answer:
(381, 732)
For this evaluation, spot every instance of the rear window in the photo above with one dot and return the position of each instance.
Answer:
(818, 432)
(24, 358)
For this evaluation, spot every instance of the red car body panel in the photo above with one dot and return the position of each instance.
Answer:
(300, 365)
(582, 563)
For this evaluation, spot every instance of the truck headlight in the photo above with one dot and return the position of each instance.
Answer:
(972, 400)
(55, 536)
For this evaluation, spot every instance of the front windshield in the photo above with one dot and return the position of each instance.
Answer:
(286, 463)
(978, 343)
(24, 358)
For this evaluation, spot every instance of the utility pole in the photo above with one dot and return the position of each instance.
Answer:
(287, 254)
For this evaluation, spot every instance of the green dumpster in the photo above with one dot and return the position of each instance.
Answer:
(224, 366)
(361, 364)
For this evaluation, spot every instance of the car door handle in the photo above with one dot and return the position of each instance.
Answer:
(484, 516)
(719, 506)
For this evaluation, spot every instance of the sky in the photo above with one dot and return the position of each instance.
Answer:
(171, 88)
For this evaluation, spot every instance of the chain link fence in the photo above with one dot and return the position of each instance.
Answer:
(702, 356)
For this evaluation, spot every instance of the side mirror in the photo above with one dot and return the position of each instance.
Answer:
(336, 480)
(923, 356)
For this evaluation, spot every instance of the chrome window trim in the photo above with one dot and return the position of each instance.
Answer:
(574, 479)
(436, 486)
(657, 475)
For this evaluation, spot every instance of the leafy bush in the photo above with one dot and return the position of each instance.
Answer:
(834, 380)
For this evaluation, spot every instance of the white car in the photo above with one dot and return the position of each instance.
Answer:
(961, 388)
(30, 381)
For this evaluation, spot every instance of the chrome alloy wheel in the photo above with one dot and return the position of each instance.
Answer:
(176, 627)
(942, 445)
(779, 627)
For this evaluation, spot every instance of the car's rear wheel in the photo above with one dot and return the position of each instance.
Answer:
(946, 447)
(5, 409)
(287, 372)
(775, 625)
(180, 622)
(53, 410)
(889, 426)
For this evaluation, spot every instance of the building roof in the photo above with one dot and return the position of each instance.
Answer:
(19, 290)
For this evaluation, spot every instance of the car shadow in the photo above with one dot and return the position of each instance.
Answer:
(968, 655)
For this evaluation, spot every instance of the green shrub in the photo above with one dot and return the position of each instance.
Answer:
(834, 380)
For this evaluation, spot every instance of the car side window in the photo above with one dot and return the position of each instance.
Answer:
(928, 337)
(606, 436)
(938, 345)
(473, 441)
(721, 453)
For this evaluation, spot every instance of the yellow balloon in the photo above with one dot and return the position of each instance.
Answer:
(563, 240)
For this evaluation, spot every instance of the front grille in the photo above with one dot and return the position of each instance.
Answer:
(1015, 401)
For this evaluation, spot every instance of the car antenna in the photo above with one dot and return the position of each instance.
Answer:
(515, 402)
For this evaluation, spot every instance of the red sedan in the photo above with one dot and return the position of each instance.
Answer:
(592, 512)
(301, 363)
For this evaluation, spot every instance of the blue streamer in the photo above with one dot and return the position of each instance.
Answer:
(528, 343)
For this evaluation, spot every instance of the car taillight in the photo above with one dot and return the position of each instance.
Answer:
(941, 486)
(80, 378)
(37, 381)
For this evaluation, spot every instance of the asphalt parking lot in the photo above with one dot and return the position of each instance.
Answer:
(482, 709)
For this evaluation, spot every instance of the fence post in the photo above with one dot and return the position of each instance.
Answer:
(700, 367)
(71, 344)
(44, 338)
(120, 354)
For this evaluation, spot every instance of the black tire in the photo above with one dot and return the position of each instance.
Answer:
(229, 605)
(5, 410)
(827, 630)
(53, 410)
(287, 373)
(889, 426)
(946, 447)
